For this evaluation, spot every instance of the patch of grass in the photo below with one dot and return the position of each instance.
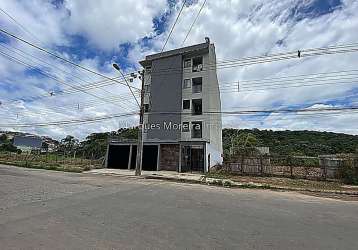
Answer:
(227, 183)
(253, 186)
(53, 167)
(272, 182)
(217, 182)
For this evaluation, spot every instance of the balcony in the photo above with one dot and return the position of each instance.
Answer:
(197, 64)
(197, 85)
(197, 105)
(197, 131)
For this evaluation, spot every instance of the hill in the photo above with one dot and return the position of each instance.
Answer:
(310, 143)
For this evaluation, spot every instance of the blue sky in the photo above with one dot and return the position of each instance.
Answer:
(95, 34)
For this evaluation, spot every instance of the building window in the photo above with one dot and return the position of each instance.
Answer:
(187, 63)
(187, 83)
(197, 84)
(148, 69)
(197, 64)
(147, 88)
(185, 127)
(186, 104)
(197, 131)
(197, 105)
(146, 108)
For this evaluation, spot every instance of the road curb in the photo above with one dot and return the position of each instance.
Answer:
(221, 182)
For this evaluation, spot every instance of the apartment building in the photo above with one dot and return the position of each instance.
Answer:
(182, 120)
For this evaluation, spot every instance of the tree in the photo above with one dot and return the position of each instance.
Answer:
(242, 144)
(95, 145)
(69, 144)
(3, 138)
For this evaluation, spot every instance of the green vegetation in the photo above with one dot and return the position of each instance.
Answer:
(308, 143)
(348, 172)
(48, 162)
(265, 182)
(95, 145)
(6, 145)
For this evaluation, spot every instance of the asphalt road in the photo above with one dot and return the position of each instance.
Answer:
(55, 210)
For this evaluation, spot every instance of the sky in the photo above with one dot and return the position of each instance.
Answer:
(38, 88)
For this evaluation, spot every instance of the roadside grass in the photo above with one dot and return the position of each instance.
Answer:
(49, 162)
(272, 182)
(47, 166)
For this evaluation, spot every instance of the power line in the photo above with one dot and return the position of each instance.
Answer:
(263, 59)
(73, 108)
(61, 58)
(193, 23)
(20, 25)
(241, 62)
(53, 77)
(311, 111)
(175, 22)
(66, 122)
(87, 87)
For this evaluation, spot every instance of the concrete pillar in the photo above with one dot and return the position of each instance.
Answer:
(158, 159)
(107, 154)
(180, 156)
(130, 156)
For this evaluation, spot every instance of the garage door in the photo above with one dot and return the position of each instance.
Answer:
(118, 156)
(150, 157)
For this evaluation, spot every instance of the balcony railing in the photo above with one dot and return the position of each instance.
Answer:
(197, 68)
(197, 88)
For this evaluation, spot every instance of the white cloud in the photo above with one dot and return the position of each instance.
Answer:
(238, 29)
(106, 24)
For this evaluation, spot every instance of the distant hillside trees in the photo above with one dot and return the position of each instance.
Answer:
(6, 145)
(309, 143)
(95, 145)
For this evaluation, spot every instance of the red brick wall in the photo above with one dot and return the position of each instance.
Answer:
(169, 157)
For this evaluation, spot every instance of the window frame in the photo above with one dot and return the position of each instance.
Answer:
(148, 69)
(193, 130)
(195, 88)
(147, 88)
(184, 128)
(190, 63)
(146, 107)
(187, 101)
(193, 105)
(187, 80)
(197, 66)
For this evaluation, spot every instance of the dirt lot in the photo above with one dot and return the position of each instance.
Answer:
(333, 189)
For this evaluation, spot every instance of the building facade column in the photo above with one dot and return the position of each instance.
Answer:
(130, 156)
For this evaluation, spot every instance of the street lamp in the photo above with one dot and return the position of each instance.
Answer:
(138, 167)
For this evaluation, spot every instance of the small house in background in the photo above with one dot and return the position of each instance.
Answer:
(49, 145)
(27, 143)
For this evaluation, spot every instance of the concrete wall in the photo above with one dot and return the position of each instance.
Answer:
(210, 95)
(165, 97)
(167, 94)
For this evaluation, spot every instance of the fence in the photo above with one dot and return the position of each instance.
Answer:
(321, 168)
(49, 159)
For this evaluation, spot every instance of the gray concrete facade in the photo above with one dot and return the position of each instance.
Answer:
(182, 106)
(165, 97)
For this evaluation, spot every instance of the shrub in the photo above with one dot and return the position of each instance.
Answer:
(227, 184)
(348, 172)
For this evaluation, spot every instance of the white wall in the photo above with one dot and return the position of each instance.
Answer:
(215, 156)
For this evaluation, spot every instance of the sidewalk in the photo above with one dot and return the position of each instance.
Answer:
(163, 175)
(225, 182)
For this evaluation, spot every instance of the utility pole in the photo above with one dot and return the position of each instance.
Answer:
(138, 167)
